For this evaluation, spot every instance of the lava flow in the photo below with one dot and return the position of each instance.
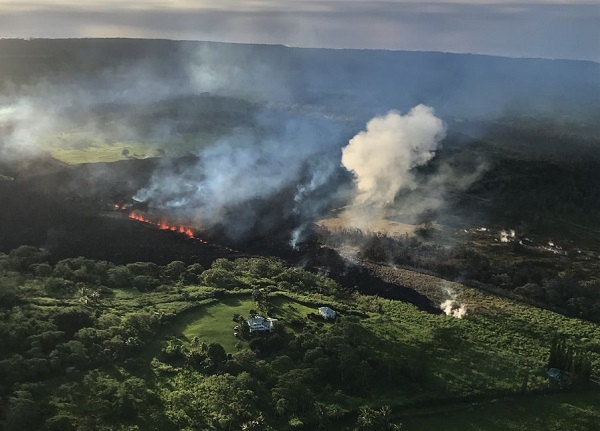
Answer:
(164, 225)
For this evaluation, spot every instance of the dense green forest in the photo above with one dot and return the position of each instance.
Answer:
(89, 345)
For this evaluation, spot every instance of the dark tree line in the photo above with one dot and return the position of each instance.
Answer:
(565, 358)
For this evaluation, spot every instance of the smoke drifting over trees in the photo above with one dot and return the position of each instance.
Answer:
(239, 173)
(267, 124)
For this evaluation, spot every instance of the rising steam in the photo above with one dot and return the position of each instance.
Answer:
(383, 157)
(452, 306)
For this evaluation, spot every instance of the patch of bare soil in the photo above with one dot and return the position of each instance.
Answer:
(381, 226)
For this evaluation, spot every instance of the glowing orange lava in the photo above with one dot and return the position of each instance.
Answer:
(165, 225)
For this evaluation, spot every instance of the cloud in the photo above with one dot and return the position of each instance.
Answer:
(532, 29)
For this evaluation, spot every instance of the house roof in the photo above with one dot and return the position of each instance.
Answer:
(326, 311)
(260, 323)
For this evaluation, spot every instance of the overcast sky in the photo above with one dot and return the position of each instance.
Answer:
(550, 29)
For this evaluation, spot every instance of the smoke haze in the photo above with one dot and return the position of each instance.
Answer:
(266, 124)
(239, 172)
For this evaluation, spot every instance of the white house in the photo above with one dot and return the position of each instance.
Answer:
(258, 323)
(327, 313)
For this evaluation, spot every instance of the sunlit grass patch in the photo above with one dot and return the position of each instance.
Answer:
(83, 146)
(557, 412)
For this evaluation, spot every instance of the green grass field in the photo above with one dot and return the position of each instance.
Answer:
(213, 322)
(81, 146)
(104, 152)
(557, 412)
(286, 309)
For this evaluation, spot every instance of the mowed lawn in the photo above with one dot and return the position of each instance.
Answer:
(213, 323)
(557, 412)
(286, 309)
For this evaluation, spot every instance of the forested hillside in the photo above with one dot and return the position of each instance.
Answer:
(89, 345)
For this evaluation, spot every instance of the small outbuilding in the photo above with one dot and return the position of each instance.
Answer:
(327, 313)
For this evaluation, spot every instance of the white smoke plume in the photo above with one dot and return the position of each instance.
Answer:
(18, 129)
(507, 235)
(452, 307)
(383, 157)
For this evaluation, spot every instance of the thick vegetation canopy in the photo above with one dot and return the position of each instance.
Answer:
(92, 345)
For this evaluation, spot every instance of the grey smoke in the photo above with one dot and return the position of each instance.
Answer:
(281, 152)
(432, 191)
(236, 73)
(287, 148)
(306, 206)
(29, 113)
(299, 156)
(54, 103)
(16, 119)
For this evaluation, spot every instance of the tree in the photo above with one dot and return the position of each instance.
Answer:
(291, 395)
(174, 352)
(60, 422)
(563, 357)
(131, 398)
(193, 273)
(41, 269)
(72, 320)
(23, 412)
(216, 353)
(258, 296)
(102, 399)
(60, 286)
(581, 369)
(9, 294)
(82, 270)
(370, 419)
(21, 258)
(174, 270)
(145, 283)
(120, 277)
(220, 278)
(227, 401)
(144, 268)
